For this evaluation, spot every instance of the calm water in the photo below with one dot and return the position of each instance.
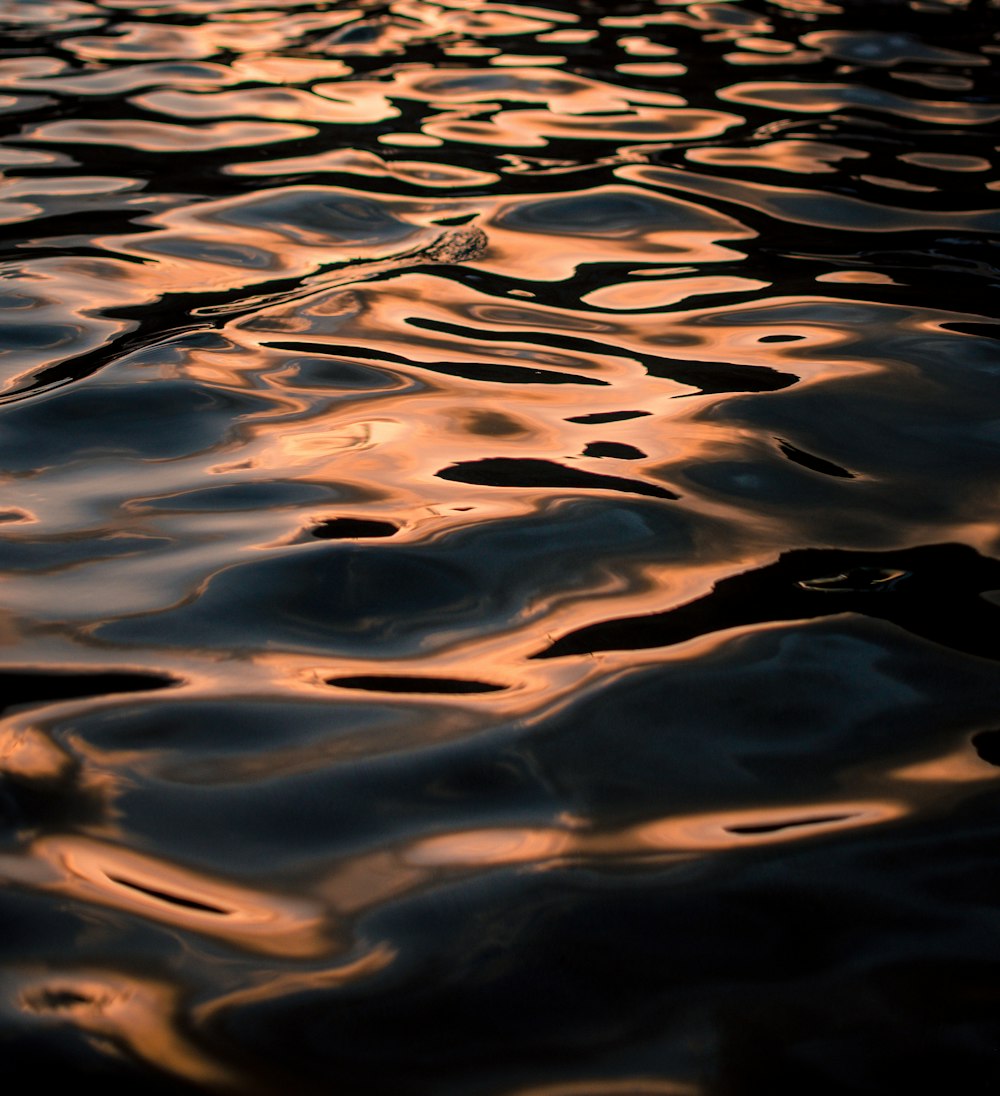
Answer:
(500, 547)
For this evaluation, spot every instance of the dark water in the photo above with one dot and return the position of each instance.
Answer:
(501, 547)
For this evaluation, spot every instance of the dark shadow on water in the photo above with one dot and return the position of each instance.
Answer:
(933, 592)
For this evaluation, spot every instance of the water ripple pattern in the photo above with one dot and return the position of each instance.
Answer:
(499, 547)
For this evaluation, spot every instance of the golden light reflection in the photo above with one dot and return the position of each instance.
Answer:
(682, 835)
(797, 157)
(141, 1016)
(959, 766)
(811, 207)
(763, 826)
(88, 870)
(28, 753)
(463, 327)
(611, 1086)
(167, 136)
(356, 105)
(655, 294)
(945, 161)
(856, 277)
(823, 98)
(651, 68)
(492, 847)
(350, 161)
(370, 963)
(63, 297)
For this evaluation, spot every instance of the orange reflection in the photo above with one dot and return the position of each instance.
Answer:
(562, 92)
(149, 41)
(351, 161)
(283, 985)
(141, 1016)
(346, 349)
(48, 74)
(633, 227)
(939, 161)
(798, 157)
(610, 1086)
(824, 98)
(655, 294)
(958, 766)
(494, 848)
(763, 826)
(651, 68)
(717, 831)
(358, 104)
(16, 206)
(812, 207)
(93, 871)
(167, 137)
(856, 277)
(536, 128)
(64, 297)
(30, 754)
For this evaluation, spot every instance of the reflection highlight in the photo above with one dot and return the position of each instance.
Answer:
(498, 546)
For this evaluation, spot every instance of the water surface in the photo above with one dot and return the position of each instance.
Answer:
(500, 557)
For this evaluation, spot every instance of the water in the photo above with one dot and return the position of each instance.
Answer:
(500, 555)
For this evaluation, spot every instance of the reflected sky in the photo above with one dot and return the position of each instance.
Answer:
(498, 545)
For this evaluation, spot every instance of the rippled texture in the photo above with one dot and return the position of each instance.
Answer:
(499, 547)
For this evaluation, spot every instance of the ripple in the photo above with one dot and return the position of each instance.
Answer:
(884, 49)
(945, 577)
(498, 546)
(822, 98)
(525, 472)
(812, 207)
(166, 137)
(278, 102)
(86, 870)
(354, 162)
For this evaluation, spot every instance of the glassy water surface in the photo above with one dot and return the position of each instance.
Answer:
(500, 549)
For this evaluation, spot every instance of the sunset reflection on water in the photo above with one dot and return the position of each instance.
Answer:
(498, 550)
